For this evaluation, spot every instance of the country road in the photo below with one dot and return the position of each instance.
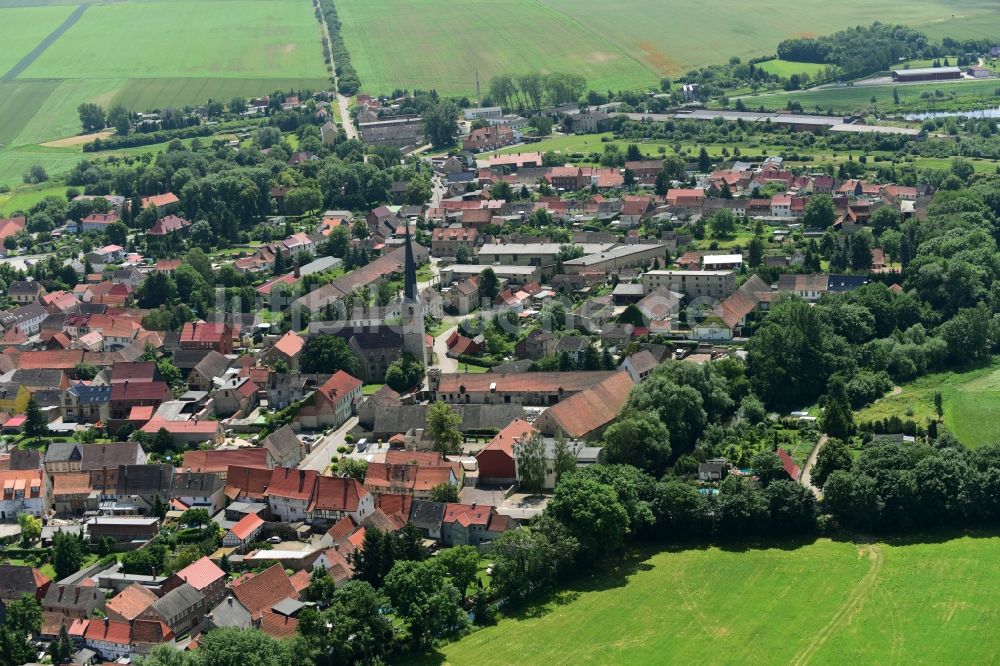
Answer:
(805, 478)
(346, 124)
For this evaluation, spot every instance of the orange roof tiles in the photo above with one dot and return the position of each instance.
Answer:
(131, 602)
(259, 592)
(201, 573)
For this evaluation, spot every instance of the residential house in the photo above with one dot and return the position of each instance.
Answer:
(645, 171)
(24, 292)
(17, 580)
(493, 137)
(289, 492)
(130, 603)
(284, 447)
(76, 601)
(143, 486)
(245, 532)
(180, 609)
(205, 577)
(332, 403)
(122, 529)
(335, 497)
(27, 318)
(204, 335)
(190, 432)
(207, 371)
(471, 524)
(639, 365)
(126, 396)
(285, 350)
(237, 396)
(496, 459)
(446, 241)
(98, 222)
(24, 491)
(199, 490)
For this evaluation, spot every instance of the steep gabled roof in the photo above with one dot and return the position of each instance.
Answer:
(259, 592)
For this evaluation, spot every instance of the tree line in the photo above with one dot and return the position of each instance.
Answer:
(532, 90)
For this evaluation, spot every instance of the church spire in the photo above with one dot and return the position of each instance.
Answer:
(410, 270)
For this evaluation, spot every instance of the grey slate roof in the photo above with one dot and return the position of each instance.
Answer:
(196, 484)
(282, 442)
(426, 515)
(77, 598)
(177, 601)
(213, 364)
(474, 417)
(145, 481)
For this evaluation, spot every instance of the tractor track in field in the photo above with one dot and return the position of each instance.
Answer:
(26, 61)
(857, 597)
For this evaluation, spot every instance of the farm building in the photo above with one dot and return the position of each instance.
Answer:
(926, 74)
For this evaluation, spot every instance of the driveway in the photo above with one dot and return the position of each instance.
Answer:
(319, 458)
(805, 478)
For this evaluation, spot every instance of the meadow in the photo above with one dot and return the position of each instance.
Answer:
(827, 602)
(167, 53)
(621, 44)
(957, 95)
(971, 403)
(786, 68)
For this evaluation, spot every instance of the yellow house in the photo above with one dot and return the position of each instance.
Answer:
(13, 398)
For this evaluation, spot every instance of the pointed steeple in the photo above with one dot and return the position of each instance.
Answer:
(410, 270)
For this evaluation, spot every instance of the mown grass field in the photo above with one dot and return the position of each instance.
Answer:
(971, 402)
(821, 603)
(788, 67)
(847, 99)
(619, 44)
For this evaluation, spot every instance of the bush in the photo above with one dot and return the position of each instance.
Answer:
(341, 449)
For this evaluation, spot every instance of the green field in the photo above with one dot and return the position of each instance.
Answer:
(618, 44)
(971, 402)
(22, 28)
(161, 53)
(786, 68)
(822, 603)
(847, 99)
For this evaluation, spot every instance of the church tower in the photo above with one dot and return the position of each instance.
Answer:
(411, 307)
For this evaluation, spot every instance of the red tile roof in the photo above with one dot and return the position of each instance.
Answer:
(201, 331)
(109, 632)
(517, 431)
(339, 385)
(249, 482)
(259, 592)
(216, 461)
(131, 602)
(201, 573)
(292, 483)
(589, 410)
(467, 514)
(246, 526)
(276, 625)
(290, 344)
(334, 493)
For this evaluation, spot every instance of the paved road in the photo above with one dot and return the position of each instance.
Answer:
(448, 365)
(345, 117)
(319, 458)
(805, 478)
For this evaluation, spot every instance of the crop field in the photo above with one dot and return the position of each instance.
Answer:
(971, 402)
(144, 54)
(617, 44)
(22, 28)
(826, 602)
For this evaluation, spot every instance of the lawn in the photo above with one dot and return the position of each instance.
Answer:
(971, 402)
(786, 68)
(616, 45)
(823, 603)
